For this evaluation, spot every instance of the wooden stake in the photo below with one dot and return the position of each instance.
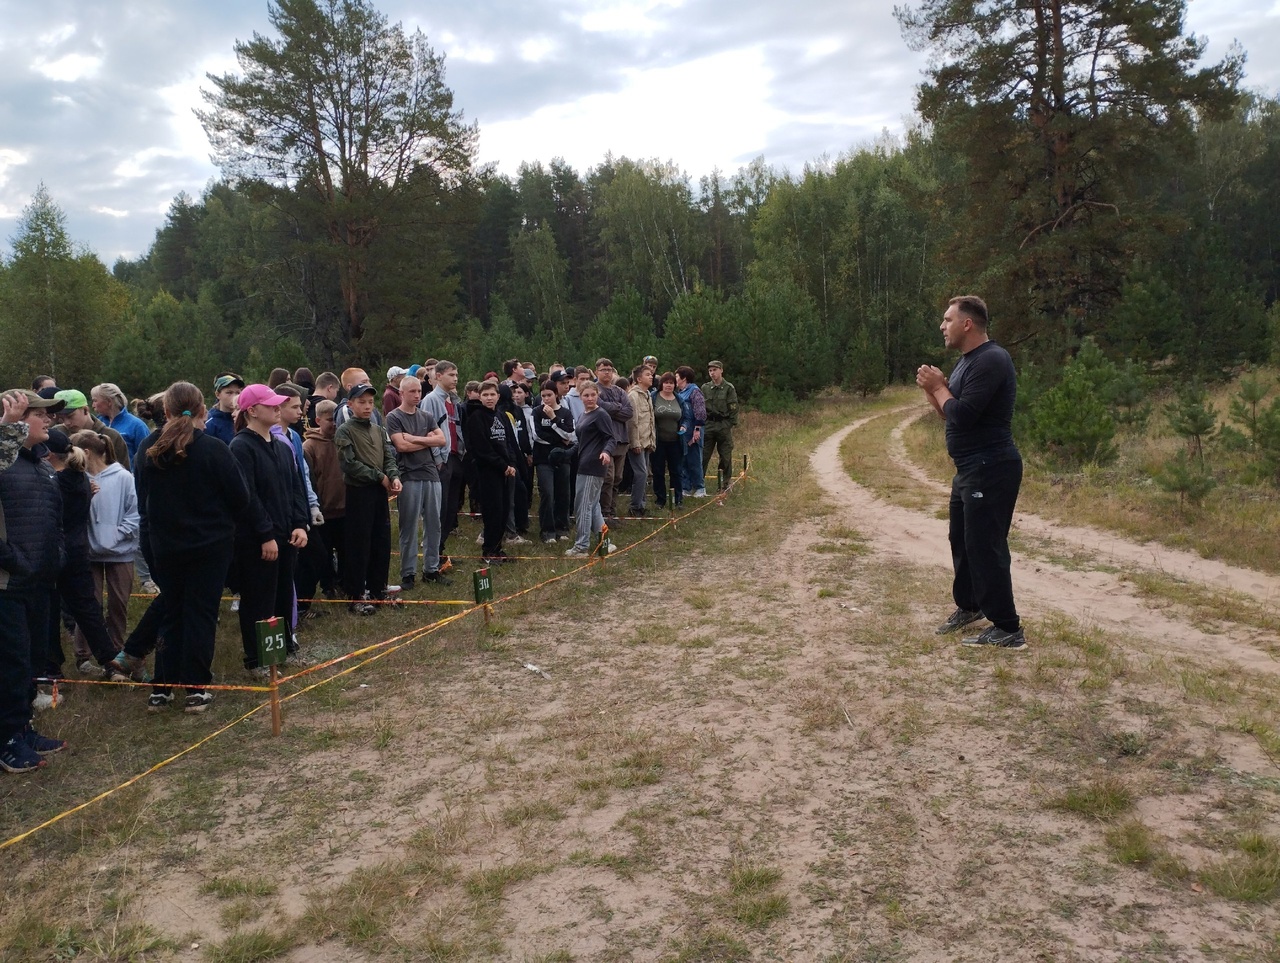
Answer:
(275, 701)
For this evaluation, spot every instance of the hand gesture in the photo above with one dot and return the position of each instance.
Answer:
(298, 538)
(15, 407)
(270, 551)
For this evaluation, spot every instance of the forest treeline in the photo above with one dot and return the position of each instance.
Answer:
(1079, 168)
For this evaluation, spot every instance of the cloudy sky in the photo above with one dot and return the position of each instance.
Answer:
(96, 98)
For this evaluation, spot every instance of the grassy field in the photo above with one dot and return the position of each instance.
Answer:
(743, 741)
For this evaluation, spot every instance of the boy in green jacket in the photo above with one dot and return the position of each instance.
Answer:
(368, 464)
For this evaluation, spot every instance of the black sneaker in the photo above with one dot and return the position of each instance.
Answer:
(998, 638)
(361, 608)
(17, 756)
(407, 581)
(159, 701)
(957, 621)
(437, 578)
(41, 745)
(198, 701)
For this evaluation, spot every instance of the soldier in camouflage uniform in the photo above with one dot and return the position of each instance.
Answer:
(722, 418)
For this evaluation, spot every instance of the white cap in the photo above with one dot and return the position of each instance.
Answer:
(395, 371)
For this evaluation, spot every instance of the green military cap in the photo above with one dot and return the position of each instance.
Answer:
(715, 364)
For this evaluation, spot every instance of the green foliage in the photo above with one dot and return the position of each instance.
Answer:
(1179, 476)
(1071, 421)
(59, 308)
(1192, 417)
(622, 332)
(864, 369)
(1243, 408)
(1267, 439)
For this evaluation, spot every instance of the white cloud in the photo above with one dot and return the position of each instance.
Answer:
(68, 68)
(536, 49)
(822, 48)
(633, 17)
(10, 158)
(457, 49)
(109, 211)
(656, 114)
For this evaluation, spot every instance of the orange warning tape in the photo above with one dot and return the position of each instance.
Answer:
(386, 647)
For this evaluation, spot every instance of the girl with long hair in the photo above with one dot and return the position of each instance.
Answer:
(190, 493)
(113, 532)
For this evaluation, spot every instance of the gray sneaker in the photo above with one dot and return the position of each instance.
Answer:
(998, 638)
(956, 621)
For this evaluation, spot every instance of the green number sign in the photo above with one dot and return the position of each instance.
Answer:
(273, 646)
(484, 586)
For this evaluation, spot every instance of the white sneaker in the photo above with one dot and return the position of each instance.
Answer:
(700, 493)
(43, 700)
(480, 539)
(575, 553)
(609, 547)
(151, 587)
(235, 604)
(89, 667)
(516, 540)
(393, 589)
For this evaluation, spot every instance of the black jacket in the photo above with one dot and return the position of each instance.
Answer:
(485, 432)
(31, 541)
(76, 493)
(277, 498)
(189, 504)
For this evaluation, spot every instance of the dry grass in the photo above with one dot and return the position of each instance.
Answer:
(721, 763)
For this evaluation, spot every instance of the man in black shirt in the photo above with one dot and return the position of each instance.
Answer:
(977, 404)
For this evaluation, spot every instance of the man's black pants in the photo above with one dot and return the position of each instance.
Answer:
(981, 511)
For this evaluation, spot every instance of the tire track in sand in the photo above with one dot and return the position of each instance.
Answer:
(1093, 597)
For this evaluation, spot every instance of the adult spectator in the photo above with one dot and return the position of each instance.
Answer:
(671, 422)
(444, 405)
(40, 382)
(76, 416)
(415, 435)
(277, 377)
(641, 440)
(976, 403)
(219, 422)
(30, 553)
(613, 401)
(109, 404)
(691, 397)
(391, 393)
(722, 418)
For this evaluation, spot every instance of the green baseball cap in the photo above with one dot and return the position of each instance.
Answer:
(74, 399)
(226, 381)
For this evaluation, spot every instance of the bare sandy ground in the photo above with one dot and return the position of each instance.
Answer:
(772, 704)
(1095, 597)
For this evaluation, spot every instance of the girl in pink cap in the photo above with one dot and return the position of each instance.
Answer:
(270, 533)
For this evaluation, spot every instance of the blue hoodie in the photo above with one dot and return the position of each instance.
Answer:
(218, 424)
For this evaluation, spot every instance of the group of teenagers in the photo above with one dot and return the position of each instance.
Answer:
(281, 489)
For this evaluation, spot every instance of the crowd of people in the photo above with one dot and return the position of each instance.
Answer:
(280, 490)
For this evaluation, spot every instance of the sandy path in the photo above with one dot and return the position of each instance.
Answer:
(1095, 598)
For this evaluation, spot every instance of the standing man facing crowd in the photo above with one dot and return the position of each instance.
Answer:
(977, 404)
(722, 417)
